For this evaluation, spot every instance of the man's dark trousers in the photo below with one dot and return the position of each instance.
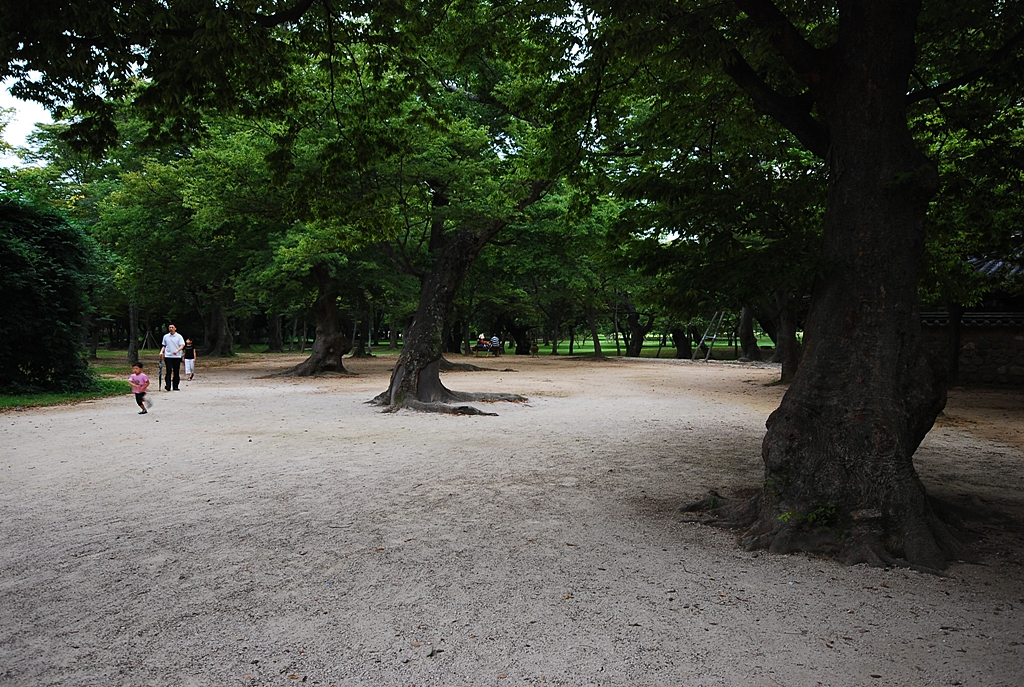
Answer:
(173, 371)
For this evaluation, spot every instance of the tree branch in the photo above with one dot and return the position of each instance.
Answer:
(801, 56)
(474, 98)
(994, 59)
(794, 113)
(284, 16)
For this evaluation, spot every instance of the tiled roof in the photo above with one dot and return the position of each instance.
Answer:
(975, 319)
(998, 268)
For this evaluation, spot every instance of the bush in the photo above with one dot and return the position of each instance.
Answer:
(46, 265)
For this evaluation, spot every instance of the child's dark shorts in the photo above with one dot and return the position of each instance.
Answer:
(140, 398)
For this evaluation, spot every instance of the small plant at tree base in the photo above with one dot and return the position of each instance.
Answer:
(823, 516)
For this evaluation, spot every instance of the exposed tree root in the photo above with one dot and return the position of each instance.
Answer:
(858, 537)
(485, 397)
(291, 372)
(441, 400)
(448, 366)
(439, 408)
(307, 369)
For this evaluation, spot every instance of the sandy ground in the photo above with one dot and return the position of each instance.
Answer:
(257, 531)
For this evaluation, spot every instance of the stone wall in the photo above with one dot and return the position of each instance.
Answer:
(991, 346)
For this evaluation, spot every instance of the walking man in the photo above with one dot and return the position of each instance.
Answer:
(170, 350)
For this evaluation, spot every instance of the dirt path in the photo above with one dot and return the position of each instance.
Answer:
(257, 531)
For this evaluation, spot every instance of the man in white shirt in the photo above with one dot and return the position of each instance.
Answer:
(170, 350)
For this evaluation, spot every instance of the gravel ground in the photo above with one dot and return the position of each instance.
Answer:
(269, 531)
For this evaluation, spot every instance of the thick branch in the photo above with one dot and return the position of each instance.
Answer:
(284, 16)
(804, 58)
(794, 113)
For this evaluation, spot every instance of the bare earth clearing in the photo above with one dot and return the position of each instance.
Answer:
(269, 531)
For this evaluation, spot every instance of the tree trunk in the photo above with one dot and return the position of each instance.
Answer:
(393, 336)
(592, 322)
(330, 342)
(615, 323)
(518, 333)
(245, 334)
(359, 338)
(749, 350)
(221, 339)
(766, 316)
(638, 331)
(133, 333)
(416, 381)
(787, 348)
(682, 341)
(376, 319)
(275, 340)
(839, 448)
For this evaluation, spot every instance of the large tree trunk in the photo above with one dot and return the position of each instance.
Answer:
(331, 342)
(749, 350)
(839, 448)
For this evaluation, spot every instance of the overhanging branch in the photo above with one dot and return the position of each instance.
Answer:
(794, 113)
(994, 59)
(801, 56)
(284, 16)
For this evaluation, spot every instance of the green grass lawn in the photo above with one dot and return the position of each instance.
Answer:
(107, 387)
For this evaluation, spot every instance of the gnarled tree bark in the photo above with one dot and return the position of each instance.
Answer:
(415, 381)
(839, 449)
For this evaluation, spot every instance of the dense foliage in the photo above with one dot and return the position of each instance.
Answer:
(47, 266)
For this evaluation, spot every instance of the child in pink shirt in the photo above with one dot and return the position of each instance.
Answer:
(139, 382)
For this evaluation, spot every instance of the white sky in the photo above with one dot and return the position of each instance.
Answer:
(21, 123)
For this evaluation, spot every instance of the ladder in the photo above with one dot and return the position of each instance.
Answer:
(710, 340)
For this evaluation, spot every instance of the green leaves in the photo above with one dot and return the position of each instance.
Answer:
(48, 268)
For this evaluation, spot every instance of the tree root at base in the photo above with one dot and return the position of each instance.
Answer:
(857, 538)
(304, 370)
(436, 407)
(446, 365)
(445, 404)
